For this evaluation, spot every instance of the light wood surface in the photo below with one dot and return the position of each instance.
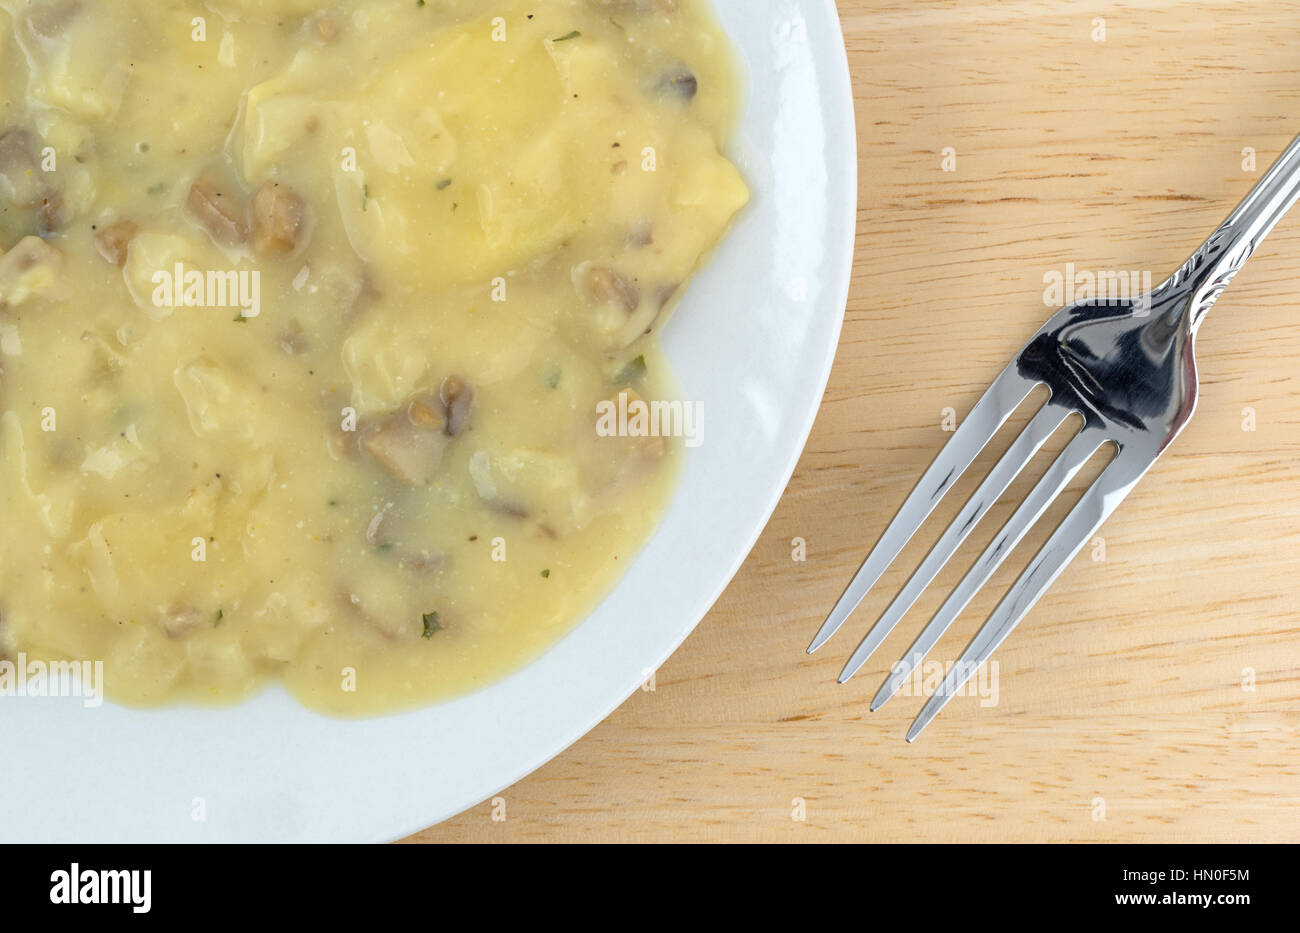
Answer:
(1125, 708)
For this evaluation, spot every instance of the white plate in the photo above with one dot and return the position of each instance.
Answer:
(753, 342)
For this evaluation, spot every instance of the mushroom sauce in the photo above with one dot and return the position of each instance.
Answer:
(307, 313)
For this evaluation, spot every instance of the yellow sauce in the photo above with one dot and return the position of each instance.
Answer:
(445, 232)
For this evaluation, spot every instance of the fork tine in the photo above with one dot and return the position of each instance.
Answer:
(1091, 511)
(1058, 476)
(1006, 394)
(1041, 427)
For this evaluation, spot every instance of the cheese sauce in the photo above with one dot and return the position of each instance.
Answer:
(307, 312)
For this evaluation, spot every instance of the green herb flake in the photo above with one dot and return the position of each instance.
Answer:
(553, 378)
(632, 372)
(431, 624)
(565, 38)
(546, 575)
(157, 189)
(221, 614)
(444, 184)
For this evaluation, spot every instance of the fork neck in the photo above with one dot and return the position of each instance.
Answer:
(1209, 270)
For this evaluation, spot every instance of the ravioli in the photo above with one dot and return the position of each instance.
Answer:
(307, 315)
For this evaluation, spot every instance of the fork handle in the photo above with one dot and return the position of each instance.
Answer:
(1207, 273)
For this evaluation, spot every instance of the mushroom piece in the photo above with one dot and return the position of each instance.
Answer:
(218, 211)
(50, 20)
(53, 213)
(645, 319)
(376, 532)
(457, 397)
(385, 610)
(679, 83)
(508, 508)
(180, 622)
(409, 444)
(422, 561)
(279, 219)
(383, 534)
(608, 287)
(641, 234)
(113, 240)
(385, 624)
(293, 339)
(21, 180)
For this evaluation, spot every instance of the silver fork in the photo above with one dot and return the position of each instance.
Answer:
(1127, 367)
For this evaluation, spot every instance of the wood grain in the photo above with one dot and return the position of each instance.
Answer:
(1154, 693)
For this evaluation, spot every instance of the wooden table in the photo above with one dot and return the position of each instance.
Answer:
(1154, 693)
